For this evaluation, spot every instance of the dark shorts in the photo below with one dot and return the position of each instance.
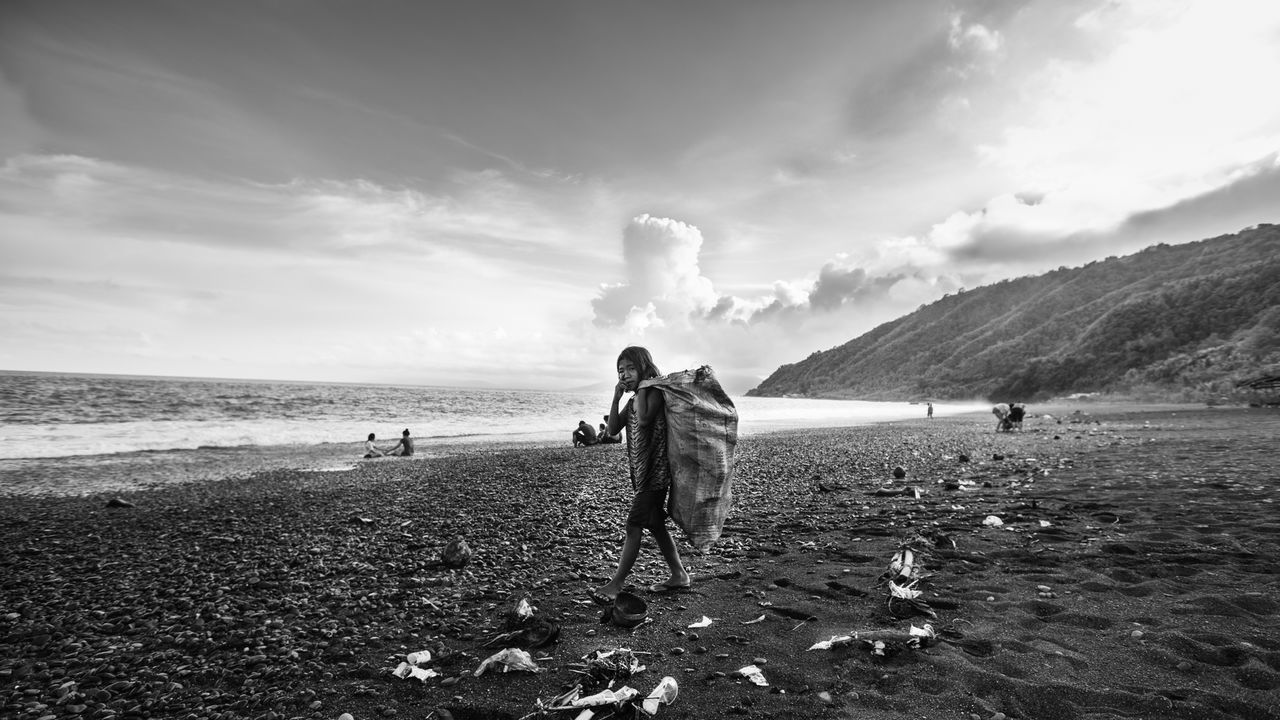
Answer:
(647, 509)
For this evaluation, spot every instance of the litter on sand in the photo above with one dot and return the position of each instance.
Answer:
(623, 699)
(509, 659)
(877, 640)
(609, 665)
(704, 622)
(992, 521)
(664, 694)
(752, 673)
(404, 671)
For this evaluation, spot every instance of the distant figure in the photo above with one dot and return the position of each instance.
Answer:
(605, 437)
(403, 448)
(1001, 412)
(1016, 412)
(585, 435)
(371, 450)
(930, 415)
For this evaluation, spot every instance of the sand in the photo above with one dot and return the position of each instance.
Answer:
(1134, 576)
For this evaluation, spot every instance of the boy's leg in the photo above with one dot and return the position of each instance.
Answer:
(626, 560)
(671, 553)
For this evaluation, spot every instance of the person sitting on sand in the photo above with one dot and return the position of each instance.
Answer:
(645, 419)
(403, 448)
(604, 436)
(585, 435)
(371, 450)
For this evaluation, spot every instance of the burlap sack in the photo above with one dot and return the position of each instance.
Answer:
(702, 431)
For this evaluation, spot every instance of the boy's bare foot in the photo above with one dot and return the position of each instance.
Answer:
(682, 582)
(604, 595)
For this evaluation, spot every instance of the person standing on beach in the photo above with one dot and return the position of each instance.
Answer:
(371, 450)
(930, 416)
(644, 417)
(404, 447)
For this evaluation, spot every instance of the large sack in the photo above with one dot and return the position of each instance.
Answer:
(702, 431)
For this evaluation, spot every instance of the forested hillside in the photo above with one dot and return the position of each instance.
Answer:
(1188, 321)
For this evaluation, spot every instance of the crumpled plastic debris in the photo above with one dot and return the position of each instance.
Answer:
(904, 592)
(902, 564)
(704, 622)
(611, 664)
(752, 673)
(422, 657)
(992, 521)
(835, 641)
(753, 622)
(607, 697)
(509, 659)
(664, 694)
(524, 610)
(404, 671)
(875, 639)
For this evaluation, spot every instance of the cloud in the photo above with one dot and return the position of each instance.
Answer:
(663, 283)
(837, 286)
(1018, 234)
(666, 303)
(1168, 100)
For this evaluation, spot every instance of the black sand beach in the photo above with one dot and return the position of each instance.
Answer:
(1135, 575)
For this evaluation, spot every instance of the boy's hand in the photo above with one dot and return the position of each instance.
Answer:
(619, 389)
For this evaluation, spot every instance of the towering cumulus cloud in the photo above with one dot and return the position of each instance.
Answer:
(663, 282)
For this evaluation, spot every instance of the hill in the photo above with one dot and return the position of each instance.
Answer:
(1192, 321)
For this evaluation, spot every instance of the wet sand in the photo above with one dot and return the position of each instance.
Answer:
(1134, 575)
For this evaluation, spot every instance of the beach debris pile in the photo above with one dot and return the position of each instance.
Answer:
(604, 666)
(601, 670)
(622, 700)
(882, 642)
(524, 627)
(412, 667)
(903, 574)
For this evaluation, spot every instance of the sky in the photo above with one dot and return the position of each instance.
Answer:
(506, 194)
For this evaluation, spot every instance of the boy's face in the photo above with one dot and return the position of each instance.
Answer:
(628, 374)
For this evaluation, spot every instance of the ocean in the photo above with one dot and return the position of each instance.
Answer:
(88, 434)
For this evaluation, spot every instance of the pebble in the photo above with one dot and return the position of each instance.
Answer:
(677, 650)
(1184, 666)
(825, 697)
(1043, 588)
(1136, 634)
(760, 661)
(346, 716)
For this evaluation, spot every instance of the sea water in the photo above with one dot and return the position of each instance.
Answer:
(79, 434)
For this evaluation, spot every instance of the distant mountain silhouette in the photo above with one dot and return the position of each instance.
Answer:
(1194, 321)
